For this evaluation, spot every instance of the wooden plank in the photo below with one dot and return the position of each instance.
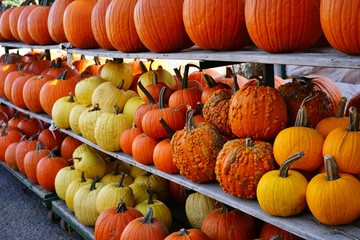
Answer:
(23, 45)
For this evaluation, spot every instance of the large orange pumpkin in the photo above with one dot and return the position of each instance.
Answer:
(224, 28)
(160, 25)
(39, 31)
(55, 20)
(98, 24)
(274, 30)
(22, 24)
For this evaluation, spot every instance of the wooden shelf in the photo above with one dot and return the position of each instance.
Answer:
(303, 225)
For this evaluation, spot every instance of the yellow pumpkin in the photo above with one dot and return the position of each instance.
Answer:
(117, 71)
(75, 115)
(85, 88)
(73, 187)
(61, 111)
(63, 179)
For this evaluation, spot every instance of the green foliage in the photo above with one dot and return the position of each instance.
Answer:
(12, 3)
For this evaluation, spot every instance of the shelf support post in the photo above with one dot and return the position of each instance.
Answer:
(268, 75)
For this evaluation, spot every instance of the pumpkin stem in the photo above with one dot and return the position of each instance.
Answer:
(201, 107)
(190, 123)
(301, 117)
(331, 169)
(184, 84)
(62, 75)
(183, 232)
(116, 109)
(224, 208)
(120, 182)
(93, 183)
(97, 61)
(154, 79)
(151, 63)
(118, 60)
(52, 152)
(71, 97)
(142, 67)
(235, 86)
(38, 146)
(121, 207)
(354, 119)
(148, 216)
(95, 108)
(248, 142)
(147, 94)
(121, 84)
(340, 108)
(178, 75)
(82, 177)
(168, 130)
(151, 194)
(34, 137)
(285, 166)
(210, 81)
(162, 98)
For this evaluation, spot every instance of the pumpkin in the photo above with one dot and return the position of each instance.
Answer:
(68, 146)
(151, 16)
(317, 102)
(131, 106)
(173, 117)
(111, 194)
(326, 125)
(30, 126)
(38, 65)
(158, 184)
(39, 32)
(5, 26)
(10, 78)
(85, 202)
(142, 149)
(299, 33)
(47, 168)
(111, 222)
(52, 138)
(108, 94)
(269, 231)
(73, 187)
(116, 174)
(187, 234)
(63, 179)
(258, 112)
(10, 156)
(7, 138)
(57, 70)
(197, 207)
(85, 88)
(178, 192)
(77, 24)
(74, 116)
(127, 137)
(300, 138)
(214, 33)
(17, 87)
(31, 92)
(187, 145)
(87, 122)
(333, 190)
(53, 90)
(55, 20)
(24, 146)
(342, 144)
(354, 101)
(91, 163)
(282, 192)
(223, 223)
(98, 24)
(5, 69)
(240, 165)
(119, 16)
(335, 9)
(13, 19)
(61, 110)
(118, 72)
(148, 226)
(162, 154)
(31, 160)
(211, 88)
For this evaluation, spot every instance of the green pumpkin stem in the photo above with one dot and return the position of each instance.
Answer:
(35, 136)
(121, 207)
(285, 166)
(146, 92)
(62, 75)
(354, 119)
(178, 75)
(162, 98)
(301, 117)
(190, 123)
(117, 170)
(210, 81)
(168, 130)
(52, 152)
(93, 183)
(142, 67)
(38, 146)
(185, 79)
(82, 177)
(95, 108)
(147, 219)
(120, 182)
(331, 169)
(340, 108)
(154, 79)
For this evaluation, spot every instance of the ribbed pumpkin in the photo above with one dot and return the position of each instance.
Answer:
(258, 112)
(10, 78)
(111, 222)
(223, 223)
(77, 24)
(354, 101)
(31, 92)
(31, 160)
(87, 122)
(326, 125)
(187, 234)
(14, 17)
(119, 16)
(158, 184)
(17, 90)
(73, 187)
(147, 226)
(118, 72)
(331, 10)
(142, 149)
(214, 33)
(85, 202)
(108, 128)
(300, 138)
(269, 231)
(61, 110)
(53, 90)
(127, 137)
(188, 144)
(241, 163)
(282, 192)
(98, 24)
(6, 69)
(333, 190)
(160, 25)
(316, 101)
(24, 146)
(5, 26)
(111, 194)
(273, 30)
(6, 138)
(55, 20)
(85, 88)
(342, 144)
(22, 24)
(10, 155)
(68, 146)
(75, 115)
(63, 179)
(39, 32)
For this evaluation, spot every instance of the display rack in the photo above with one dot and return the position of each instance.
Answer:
(303, 225)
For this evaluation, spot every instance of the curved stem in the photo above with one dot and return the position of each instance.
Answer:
(148, 216)
(190, 123)
(340, 108)
(121, 207)
(120, 182)
(93, 183)
(168, 130)
(331, 169)
(147, 94)
(82, 177)
(209, 80)
(285, 166)
(301, 117)
(162, 98)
